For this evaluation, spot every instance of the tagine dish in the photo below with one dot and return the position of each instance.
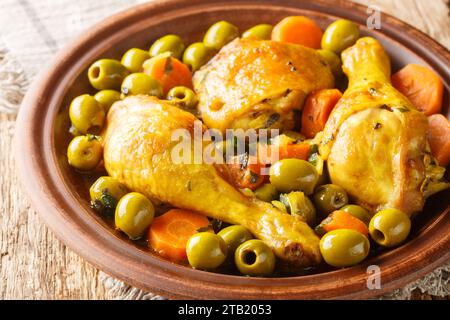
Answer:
(279, 151)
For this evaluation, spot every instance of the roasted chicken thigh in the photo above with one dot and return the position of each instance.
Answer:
(258, 84)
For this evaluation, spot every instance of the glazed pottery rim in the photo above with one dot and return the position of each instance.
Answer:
(39, 172)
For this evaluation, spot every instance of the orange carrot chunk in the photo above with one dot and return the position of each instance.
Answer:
(169, 71)
(422, 86)
(246, 172)
(317, 109)
(289, 151)
(170, 232)
(439, 138)
(298, 30)
(340, 219)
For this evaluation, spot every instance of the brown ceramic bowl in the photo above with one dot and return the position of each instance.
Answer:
(61, 196)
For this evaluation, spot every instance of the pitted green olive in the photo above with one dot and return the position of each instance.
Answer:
(105, 193)
(141, 83)
(169, 43)
(329, 197)
(358, 212)
(107, 74)
(106, 98)
(254, 258)
(86, 114)
(259, 32)
(183, 97)
(206, 250)
(234, 236)
(84, 152)
(219, 34)
(134, 58)
(340, 35)
(197, 55)
(134, 214)
(389, 227)
(344, 247)
(293, 175)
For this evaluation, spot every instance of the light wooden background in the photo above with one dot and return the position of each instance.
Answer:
(35, 265)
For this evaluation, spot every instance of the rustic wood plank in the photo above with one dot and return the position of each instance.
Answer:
(431, 17)
(35, 265)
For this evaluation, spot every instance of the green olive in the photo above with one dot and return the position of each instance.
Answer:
(254, 258)
(134, 214)
(107, 74)
(183, 97)
(86, 114)
(344, 247)
(197, 55)
(170, 43)
(84, 152)
(206, 250)
(299, 204)
(219, 34)
(267, 192)
(105, 193)
(259, 32)
(134, 58)
(340, 35)
(358, 212)
(389, 227)
(329, 197)
(141, 83)
(234, 236)
(293, 175)
(106, 98)
(333, 61)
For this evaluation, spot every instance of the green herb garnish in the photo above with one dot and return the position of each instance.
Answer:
(168, 66)
(254, 177)
(402, 109)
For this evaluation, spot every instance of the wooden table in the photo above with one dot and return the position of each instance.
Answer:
(35, 265)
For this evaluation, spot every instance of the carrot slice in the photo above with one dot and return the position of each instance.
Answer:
(439, 138)
(170, 232)
(169, 71)
(289, 151)
(246, 171)
(317, 109)
(298, 30)
(340, 219)
(422, 86)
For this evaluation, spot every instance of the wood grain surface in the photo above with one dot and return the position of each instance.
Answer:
(35, 265)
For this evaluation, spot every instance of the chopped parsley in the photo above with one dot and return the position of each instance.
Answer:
(254, 177)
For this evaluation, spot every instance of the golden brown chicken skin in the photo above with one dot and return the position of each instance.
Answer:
(138, 152)
(257, 84)
(375, 139)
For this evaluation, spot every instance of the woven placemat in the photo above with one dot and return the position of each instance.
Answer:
(45, 26)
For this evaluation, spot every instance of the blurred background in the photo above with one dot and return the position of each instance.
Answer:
(33, 263)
